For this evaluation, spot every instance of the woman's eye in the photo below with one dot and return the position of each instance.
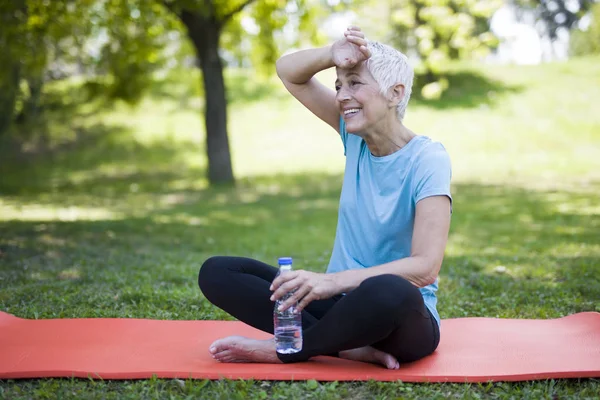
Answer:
(337, 88)
(354, 83)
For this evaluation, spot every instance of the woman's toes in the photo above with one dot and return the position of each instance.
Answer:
(392, 363)
(223, 344)
(222, 355)
(216, 351)
(241, 349)
(225, 358)
(388, 360)
(215, 347)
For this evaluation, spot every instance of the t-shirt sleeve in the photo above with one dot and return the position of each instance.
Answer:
(433, 173)
(343, 133)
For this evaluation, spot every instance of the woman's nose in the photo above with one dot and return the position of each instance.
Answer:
(343, 95)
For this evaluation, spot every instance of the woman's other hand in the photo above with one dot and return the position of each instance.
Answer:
(351, 49)
(307, 286)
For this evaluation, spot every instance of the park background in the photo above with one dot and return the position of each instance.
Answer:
(112, 193)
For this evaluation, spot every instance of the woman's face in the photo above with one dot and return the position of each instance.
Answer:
(359, 98)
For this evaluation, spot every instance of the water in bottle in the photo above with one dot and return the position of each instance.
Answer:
(288, 323)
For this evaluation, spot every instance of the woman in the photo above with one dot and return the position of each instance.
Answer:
(377, 301)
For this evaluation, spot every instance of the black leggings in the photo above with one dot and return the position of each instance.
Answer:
(385, 311)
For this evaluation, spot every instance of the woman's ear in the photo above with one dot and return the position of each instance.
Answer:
(396, 94)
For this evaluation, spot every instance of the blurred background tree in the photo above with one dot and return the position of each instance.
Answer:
(437, 31)
(552, 15)
(584, 42)
(114, 45)
(432, 33)
(554, 18)
(206, 21)
(117, 48)
(31, 38)
(117, 45)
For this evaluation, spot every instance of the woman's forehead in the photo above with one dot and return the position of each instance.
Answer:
(359, 69)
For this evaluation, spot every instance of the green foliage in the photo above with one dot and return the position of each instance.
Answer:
(439, 31)
(25, 24)
(260, 47)
(587, 42)
(118, 45)
(270, 16)
(137, 33)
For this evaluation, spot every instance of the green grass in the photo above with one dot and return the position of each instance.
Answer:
(114, 217)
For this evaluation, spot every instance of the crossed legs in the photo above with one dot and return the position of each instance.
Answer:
(385, 313)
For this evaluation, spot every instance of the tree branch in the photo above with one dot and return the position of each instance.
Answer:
(236, 10)
(171, 7)
(205, 12)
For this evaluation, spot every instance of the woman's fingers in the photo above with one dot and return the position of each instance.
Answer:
(281, 279)
(285, 288)
(354, 31)
(357, 40)
(361, 44)
(300, 293)
(301, 285)
(306, 301)
(365, 51)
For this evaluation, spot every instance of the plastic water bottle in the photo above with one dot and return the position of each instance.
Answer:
(288, 323)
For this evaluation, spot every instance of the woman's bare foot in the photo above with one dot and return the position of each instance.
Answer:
(239, 349)
(371, 355)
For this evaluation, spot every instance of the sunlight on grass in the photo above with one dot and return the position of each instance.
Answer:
(525, 138)
(39, 212)
(70, 274)
(582, 207)
(39, 276)
(180, 218)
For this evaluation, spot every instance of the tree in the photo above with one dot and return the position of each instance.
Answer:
(588, 41)
(11, 18)
(33, 33)
(19, 30)
(132, 35)
(205, 22)
(556, 14)
(437, 31)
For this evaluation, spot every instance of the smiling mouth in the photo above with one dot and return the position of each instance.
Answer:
(351, 111)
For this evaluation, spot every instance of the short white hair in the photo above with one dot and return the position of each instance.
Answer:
(389, 67)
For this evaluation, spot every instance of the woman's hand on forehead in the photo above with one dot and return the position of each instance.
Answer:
(350, 50)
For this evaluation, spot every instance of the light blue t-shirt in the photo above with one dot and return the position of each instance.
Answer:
(377, 204)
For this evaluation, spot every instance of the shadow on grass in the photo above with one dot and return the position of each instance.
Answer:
(102, 159)
(467, 89)
(243, 87)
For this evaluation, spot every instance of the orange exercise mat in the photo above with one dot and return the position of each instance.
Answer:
(471, 350)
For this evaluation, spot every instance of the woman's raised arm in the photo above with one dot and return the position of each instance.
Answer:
(297, 71)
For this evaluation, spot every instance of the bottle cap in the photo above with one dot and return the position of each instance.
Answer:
(285, 260)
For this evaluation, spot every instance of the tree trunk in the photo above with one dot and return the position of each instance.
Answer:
(204, 31)
(9, 88)
(31, 106)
